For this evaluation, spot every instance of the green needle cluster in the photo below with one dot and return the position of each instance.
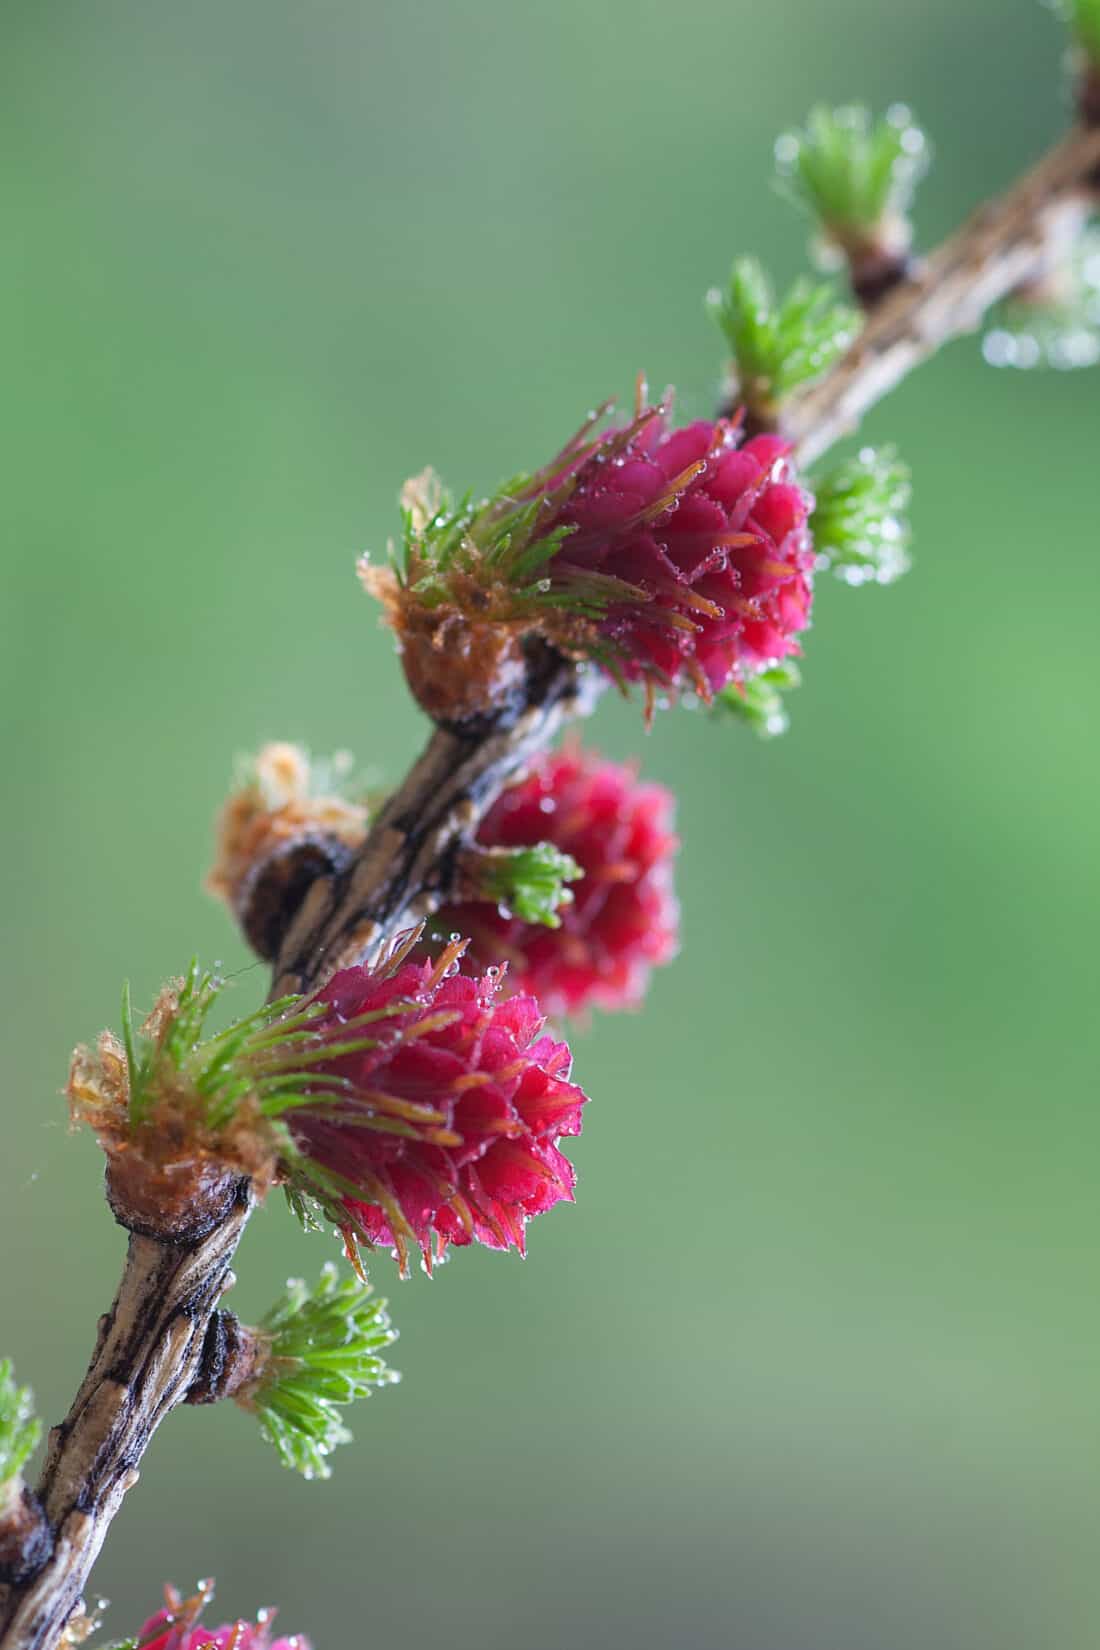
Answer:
(20, 1429)
(859, 522)
(778, 345)
(853, 174)
(529, 882)
(323, 1351)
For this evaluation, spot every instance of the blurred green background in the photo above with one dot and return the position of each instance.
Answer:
(812, 1364)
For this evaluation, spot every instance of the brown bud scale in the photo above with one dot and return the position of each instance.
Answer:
(232, 1356)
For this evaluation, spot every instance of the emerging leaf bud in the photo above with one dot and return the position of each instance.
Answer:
(777, 345)
(178, 1118)
(187, 1121)
(856, 178)
(467, 599)
(288, 822)
(860, 525)
(528, 883)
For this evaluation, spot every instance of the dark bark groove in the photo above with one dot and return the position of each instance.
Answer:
(148, 1351)
(404, 870)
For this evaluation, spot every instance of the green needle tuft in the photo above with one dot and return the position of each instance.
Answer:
(778, 345)
(323, 1353)
(859, 522)
(528, 882)
(855, 175)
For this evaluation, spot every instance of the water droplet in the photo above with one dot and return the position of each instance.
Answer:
(999, 348)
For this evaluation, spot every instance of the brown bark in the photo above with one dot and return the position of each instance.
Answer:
(149, 1349)
(405, 868)
(1002, 246)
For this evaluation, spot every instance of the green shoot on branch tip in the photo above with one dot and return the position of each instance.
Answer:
(854, 175)
(778, 345)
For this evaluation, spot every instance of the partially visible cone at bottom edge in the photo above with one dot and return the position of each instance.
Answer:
(177, 1627)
